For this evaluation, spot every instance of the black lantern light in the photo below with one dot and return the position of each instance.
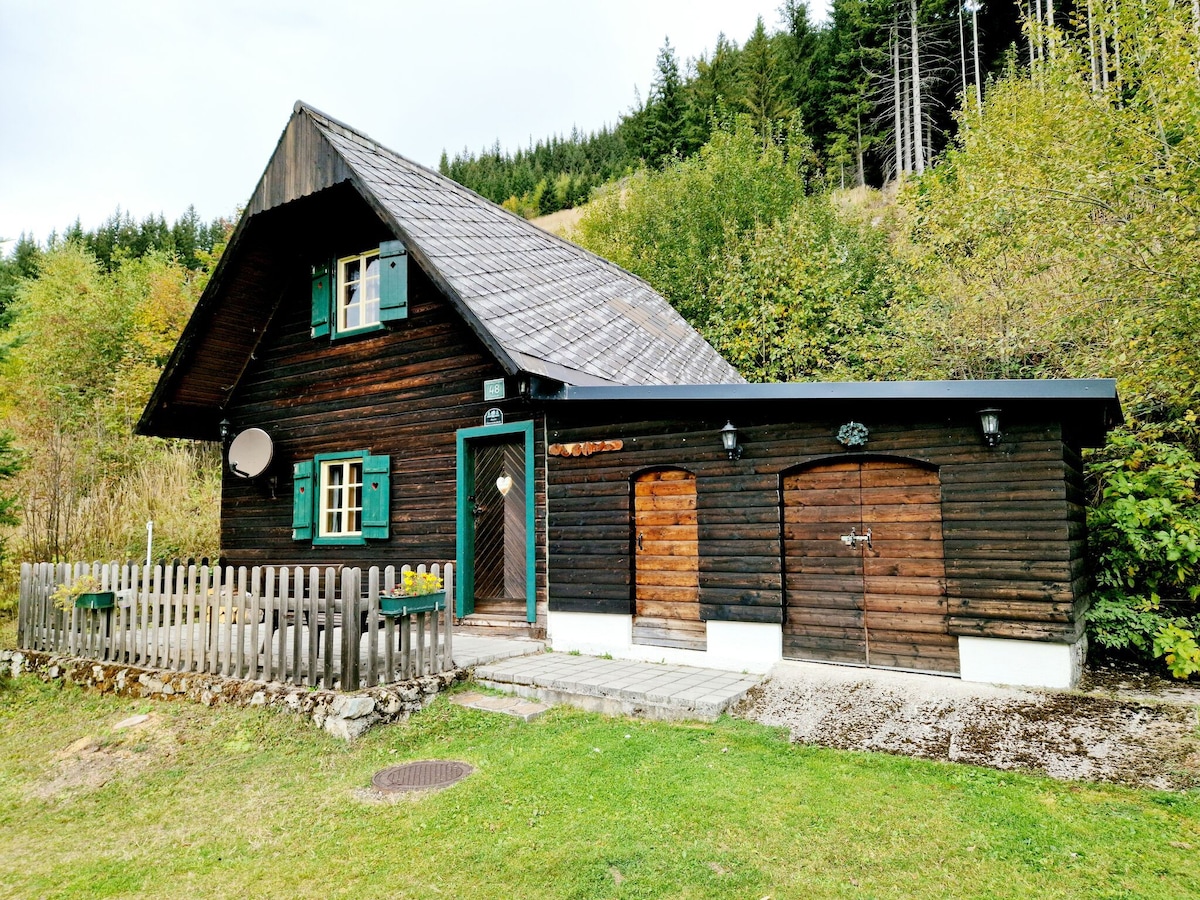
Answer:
(989, 421)
(730, 442)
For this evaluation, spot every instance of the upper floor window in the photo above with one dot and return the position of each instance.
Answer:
(358, 291)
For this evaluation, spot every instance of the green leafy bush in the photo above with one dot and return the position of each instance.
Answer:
(800, 298)
(675, 227)
(1144, 532)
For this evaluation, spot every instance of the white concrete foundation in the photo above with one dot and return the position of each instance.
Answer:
(754, 646)
(737, 646)
(1022, 663)
(593, 633)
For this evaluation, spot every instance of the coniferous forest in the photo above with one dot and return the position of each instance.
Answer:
(882, 197)
(876, 90)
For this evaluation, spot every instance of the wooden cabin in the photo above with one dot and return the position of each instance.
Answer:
(441, 380)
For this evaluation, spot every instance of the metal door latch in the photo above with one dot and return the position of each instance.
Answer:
(853, 539)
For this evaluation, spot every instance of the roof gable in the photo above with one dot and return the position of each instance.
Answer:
(550, 305)
(540, 304)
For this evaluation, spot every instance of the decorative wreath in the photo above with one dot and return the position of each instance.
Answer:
(853, 434)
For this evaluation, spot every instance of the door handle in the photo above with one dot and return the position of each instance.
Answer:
(641, 536)
(854, 539)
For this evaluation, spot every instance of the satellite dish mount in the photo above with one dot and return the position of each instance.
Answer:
(250, 455)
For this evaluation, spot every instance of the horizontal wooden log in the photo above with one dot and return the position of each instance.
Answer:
(564, 601)
(1016, 629)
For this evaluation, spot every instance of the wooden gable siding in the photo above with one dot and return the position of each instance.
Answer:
(191, 406)
(274, 254)
(304, 163)
(402, 392)
(1011, 516)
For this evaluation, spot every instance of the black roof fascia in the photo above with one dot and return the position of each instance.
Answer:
(1090, 405)
(1103, 390)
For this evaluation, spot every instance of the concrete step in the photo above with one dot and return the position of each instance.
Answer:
(472, 649)
(620, 687)
(499, 626)
(518, 707)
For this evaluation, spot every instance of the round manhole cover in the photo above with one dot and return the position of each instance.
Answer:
(425, 775)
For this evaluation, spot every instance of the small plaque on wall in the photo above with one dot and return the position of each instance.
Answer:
(493, 389)
(493, 416)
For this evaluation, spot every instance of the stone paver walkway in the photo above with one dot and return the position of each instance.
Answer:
(619, 686)
(470, 650)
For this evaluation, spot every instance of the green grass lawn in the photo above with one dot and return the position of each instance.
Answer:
(245, 803)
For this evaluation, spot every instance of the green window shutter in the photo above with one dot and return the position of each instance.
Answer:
(303, 501)
(376, 496)
(322, 299)
(393, 281)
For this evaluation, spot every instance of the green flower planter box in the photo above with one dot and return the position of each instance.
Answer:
(407, 606)
(97, 600)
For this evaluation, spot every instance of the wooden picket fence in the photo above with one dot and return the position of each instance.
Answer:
(314, 627)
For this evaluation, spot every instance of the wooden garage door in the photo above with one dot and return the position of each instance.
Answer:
(877, 602)
(666, 561)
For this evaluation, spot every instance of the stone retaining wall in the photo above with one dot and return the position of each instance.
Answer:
(344, 715)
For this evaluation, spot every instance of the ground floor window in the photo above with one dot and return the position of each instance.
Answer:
(341, 498)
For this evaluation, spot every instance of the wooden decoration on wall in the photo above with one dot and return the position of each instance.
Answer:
(584, 448)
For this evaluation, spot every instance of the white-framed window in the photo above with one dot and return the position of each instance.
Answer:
(358, 291)
(340, 500)
(356, 295)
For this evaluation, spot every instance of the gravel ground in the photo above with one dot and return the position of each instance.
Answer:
(1122, 727)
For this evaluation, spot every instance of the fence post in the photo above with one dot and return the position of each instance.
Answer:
(389, 629)
(282, 595)
(314, 619)
(372, 603)
(448, 619)
(351, 628)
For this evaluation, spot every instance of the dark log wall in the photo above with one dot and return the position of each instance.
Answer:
(1012, 515)
(402, 392)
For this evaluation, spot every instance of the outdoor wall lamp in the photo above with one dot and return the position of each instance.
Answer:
(729, 441)
(224, 431)
(989, 421)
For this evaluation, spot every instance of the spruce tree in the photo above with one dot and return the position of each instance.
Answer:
(665, 110)
(762, 82)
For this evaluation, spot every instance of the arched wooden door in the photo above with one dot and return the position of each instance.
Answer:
(864, 570)
(666, 561)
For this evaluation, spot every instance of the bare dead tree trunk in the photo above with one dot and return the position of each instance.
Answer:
(1029, 33)
(897, 119)
(962, 53)
(1093, 60)
(1038, 39)
(906, 111)
(861, 177)
(1103, 49)
(918, 142)
(975, 38)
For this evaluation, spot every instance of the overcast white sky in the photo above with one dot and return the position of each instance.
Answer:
(151, 106)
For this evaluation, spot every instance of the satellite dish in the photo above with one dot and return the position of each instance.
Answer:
(250, 453)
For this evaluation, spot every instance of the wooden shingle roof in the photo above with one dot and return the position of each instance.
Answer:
(550, 307)
(538, 303)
